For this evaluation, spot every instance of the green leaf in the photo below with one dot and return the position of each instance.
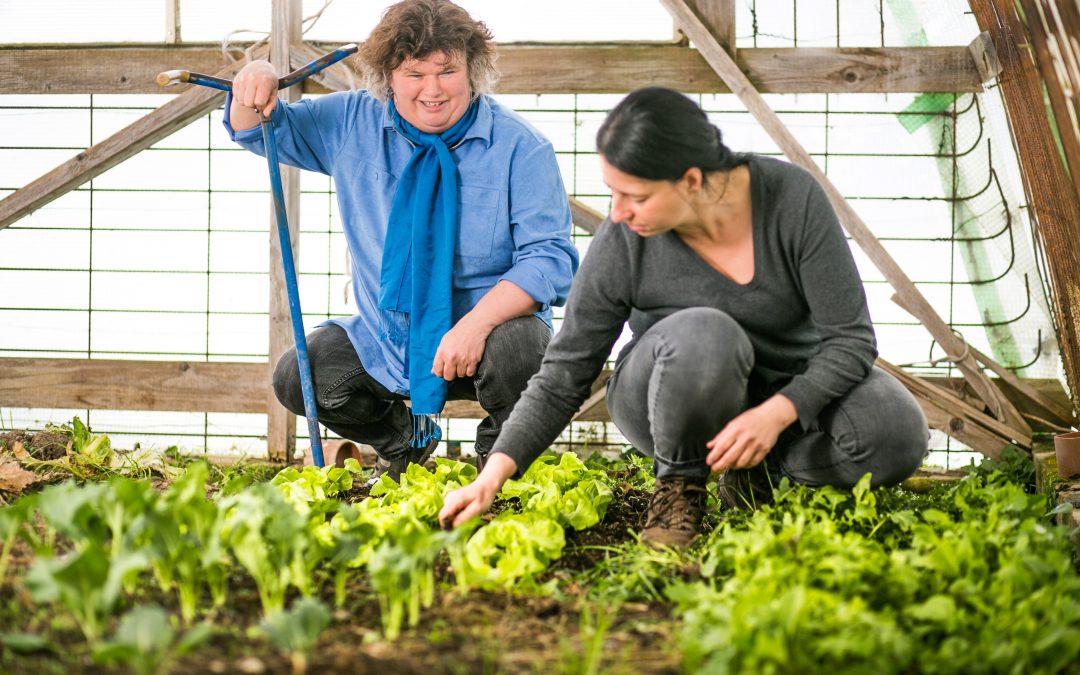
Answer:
(297, 629)
(25, 643)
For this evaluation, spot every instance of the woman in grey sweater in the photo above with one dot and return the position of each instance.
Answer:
(752, 351)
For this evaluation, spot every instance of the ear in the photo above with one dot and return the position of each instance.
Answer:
(692, 180)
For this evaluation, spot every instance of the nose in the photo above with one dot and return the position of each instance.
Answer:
(619, 212)
(432, 86)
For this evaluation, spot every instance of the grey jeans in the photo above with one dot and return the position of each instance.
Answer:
(355, 406)
(688, 375)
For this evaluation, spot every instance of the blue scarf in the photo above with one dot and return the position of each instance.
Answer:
(418, 259)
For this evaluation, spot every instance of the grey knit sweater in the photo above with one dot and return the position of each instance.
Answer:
(804, 310)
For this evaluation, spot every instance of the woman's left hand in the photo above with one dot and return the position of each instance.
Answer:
(460, 350)
(745, 440)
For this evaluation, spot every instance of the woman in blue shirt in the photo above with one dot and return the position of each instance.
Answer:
(457, 223)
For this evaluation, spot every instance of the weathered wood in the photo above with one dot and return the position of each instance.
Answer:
(106, 384)
(172, 22)
(719, 17)
(531, 68)
(985, 55)
(338, 77)
(584, 216)
(955, 417)
(852, 222)
(281, 423)
(1053, 202)
(1054, 27)
(1032, 397)
(125, 143)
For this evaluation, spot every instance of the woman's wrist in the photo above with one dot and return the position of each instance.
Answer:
(498, 467)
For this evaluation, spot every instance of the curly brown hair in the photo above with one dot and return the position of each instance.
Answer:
(416, 29)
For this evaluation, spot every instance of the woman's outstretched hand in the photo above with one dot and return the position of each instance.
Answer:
(745, 441)
(475, 498)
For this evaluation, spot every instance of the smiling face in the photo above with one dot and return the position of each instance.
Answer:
(647, 207)
(432, 93)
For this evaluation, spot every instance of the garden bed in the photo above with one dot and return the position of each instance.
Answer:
(115, 562)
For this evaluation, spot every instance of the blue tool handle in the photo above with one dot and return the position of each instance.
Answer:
(321, 63)
(170, 77)
(303, 363)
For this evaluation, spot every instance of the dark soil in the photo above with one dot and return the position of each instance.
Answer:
(43, 445)
(480, 632)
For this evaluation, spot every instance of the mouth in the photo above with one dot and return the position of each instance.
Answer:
(432, 105)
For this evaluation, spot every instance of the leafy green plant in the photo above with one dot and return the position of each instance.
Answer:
(268, 537)
(145, 641)
(103, 523)
(296, 630)
(184, 539)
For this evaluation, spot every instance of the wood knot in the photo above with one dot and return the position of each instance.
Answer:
(956, 425)
(851, 77)
(184, 367)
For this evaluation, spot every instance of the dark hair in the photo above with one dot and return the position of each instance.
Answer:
(416, 29)
(658, 133)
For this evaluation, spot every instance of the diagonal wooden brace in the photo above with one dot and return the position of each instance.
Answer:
(129, 141)
(707, 44)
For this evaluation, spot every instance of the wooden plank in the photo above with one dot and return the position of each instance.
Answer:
(985, 55)
(531, 68)
(955, 417)
(338, 77)
(281, 423)
(109, 384)
(172, 22)
(585, 217)
(125, 143)
(851, 221)
(1053, 202)
(719, 17)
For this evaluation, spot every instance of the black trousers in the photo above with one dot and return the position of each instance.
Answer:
(355, 406)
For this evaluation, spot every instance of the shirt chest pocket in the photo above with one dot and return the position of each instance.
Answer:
(479, 217)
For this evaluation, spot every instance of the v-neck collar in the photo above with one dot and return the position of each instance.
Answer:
(756, 200)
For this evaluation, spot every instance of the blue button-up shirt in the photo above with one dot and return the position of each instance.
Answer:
(515, 218)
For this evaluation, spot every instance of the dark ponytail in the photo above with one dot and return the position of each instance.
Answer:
(657, 133)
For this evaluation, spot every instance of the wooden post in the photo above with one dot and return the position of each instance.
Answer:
(280, 423)
(714, 54)
(1054, 206)
(172, 21)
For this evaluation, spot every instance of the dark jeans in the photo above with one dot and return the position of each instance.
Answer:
(687, 376)
(355, 406)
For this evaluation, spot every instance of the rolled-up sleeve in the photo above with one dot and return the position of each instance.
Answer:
(309, 133)
(544, 258)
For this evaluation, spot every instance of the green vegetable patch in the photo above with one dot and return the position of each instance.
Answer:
(112, 567)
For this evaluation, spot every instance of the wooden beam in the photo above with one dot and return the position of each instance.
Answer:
(281, 424)
(585, 217)
(338, 77)
(956, 417)
(852, 222)
(125, 143)
(532, 68)
(719, 17)
(107, 384)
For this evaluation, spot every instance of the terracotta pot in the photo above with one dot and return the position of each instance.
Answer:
(335, 452)
(1067, 449)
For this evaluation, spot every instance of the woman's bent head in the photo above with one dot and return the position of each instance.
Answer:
(658, 133)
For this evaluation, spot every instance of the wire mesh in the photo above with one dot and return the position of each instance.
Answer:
(165, 256)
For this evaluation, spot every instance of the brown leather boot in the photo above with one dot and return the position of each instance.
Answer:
(744, 488)
(675, 512)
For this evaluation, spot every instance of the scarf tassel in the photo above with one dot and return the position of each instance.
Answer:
(425, 428)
